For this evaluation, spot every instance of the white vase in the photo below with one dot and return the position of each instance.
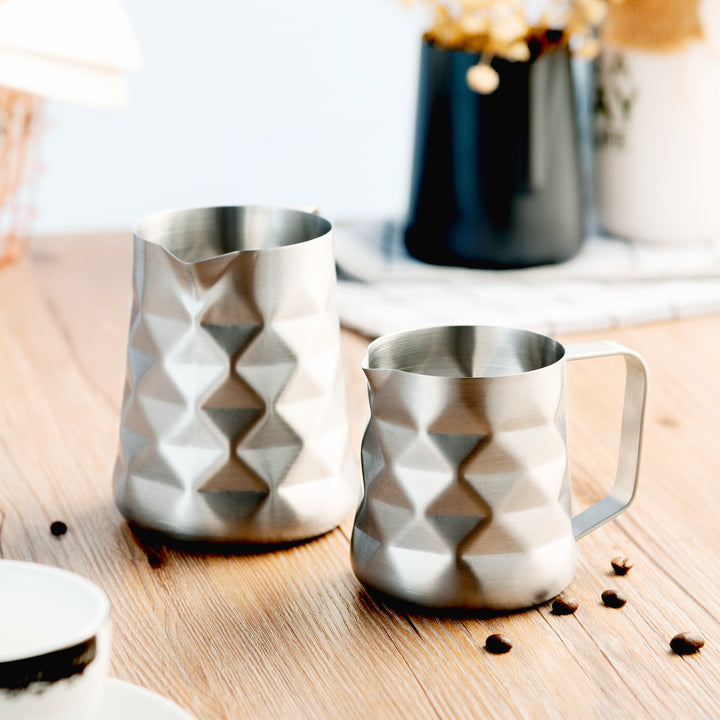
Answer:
(658, 139)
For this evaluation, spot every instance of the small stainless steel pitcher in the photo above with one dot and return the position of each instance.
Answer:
(467, 487)
(234, 423)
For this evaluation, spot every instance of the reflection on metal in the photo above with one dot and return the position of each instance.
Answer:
(234, 424)
(467, 487)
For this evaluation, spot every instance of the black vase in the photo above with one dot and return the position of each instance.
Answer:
(496, 178)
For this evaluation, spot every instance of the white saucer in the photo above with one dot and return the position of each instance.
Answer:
(123, 701)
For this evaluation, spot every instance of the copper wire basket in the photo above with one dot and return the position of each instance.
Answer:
(19, 129)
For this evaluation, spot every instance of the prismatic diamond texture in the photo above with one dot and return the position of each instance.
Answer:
(460, 510)
(234, 424)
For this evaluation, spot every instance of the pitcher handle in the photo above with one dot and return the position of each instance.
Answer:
(631, 435)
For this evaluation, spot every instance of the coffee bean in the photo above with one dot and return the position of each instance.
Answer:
(686, 643)
(613, 598)
(564, 605)
(156, 555)
(498, 644)
(621, 565)
(58, 528)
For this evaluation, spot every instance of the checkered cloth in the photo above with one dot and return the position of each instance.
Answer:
(611, 282)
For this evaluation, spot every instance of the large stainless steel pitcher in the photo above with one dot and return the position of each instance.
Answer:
(234, 424)
(467, 485)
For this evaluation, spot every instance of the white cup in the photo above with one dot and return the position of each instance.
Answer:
(54, 643)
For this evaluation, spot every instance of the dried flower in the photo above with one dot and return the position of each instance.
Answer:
(516, 30)
(475, 23)
(482, 78)
(518, 51)
(510, 29)
(594, 10)
(588, 49)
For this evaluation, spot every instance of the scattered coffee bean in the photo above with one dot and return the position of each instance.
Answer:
(498, 644)
(621, 565)
(686, 643)
(58, 528)
(613, 598)
(564, 605)
(156, 555)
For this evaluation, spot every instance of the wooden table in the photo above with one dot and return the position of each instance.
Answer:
(291, 634)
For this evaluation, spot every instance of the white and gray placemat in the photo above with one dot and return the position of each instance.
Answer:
(611, 282)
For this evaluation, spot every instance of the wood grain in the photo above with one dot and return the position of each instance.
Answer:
(290, 633)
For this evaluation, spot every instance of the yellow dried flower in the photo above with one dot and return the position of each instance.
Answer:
(518, 51)
(510, 28)
(502, 28)
(589, 49)
(482, 78)
(594, 10)
(474, 24)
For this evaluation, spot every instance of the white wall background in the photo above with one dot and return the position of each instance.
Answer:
(242, 102)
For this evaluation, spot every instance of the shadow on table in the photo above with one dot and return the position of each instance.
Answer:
(370, 600)
(158, 547)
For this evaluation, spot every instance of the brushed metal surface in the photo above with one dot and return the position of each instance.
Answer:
(467, 487)
(234, 423)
